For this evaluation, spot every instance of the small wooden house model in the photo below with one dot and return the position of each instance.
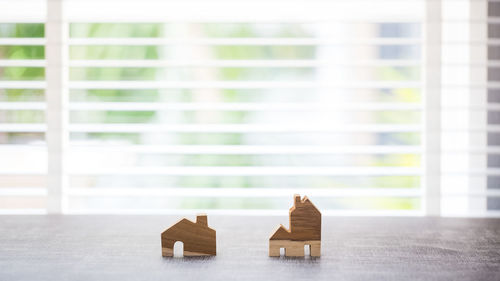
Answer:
(305, 230)
(197, 237)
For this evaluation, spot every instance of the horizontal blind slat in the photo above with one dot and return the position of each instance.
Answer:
(240, 128)
(248, 149)
(244, 192)
(232, 84)
(241, 41)
(238, 63)
(22, 63)
(256, 106)
(23, 84)
(22, 106)
(23, 127)
(23, 41)
(23, 191)
(251, 171)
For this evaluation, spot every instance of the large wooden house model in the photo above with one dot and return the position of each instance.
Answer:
(305, 230)
(197, 237)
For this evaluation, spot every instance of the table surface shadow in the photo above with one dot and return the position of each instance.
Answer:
(353, 248)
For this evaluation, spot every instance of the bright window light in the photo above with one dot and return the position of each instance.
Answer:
(232, 107)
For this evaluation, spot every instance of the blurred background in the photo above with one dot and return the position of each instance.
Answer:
(232, 107)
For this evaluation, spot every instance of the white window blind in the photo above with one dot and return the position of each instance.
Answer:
(232, 106)
(469, 129)
(23, 153)
(493, 117)
(220, 106)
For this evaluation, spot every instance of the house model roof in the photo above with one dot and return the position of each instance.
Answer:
(305, 222)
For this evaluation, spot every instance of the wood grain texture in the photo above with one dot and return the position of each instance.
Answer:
(198, 238)
(294, 248)
(305, 225)
(125, 248)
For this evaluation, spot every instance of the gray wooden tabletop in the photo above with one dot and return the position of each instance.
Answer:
(128, 248)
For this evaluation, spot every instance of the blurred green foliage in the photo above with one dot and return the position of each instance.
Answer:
(22, 73)
(22, 116)
(21, 95)
(114, 30)
(22, 30)
(227, 52)
(156, 30)
(190, 73)
(115, 52)
(21, 52)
